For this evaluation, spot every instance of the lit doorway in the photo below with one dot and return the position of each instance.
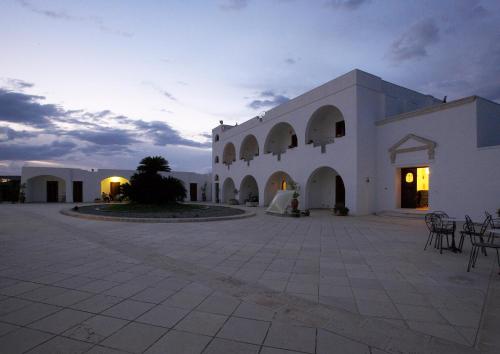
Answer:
(415, 187)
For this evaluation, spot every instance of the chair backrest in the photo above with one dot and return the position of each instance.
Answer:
(469, 225)
(487, 214)
(441, 214)
(485, 224)
(432, 221)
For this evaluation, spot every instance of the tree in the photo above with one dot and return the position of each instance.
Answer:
(153, 165)
(147, 186)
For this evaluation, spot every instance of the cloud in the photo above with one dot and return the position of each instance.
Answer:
(160, 90)
(163, 134)
(17, 107)
(16, 84)
(290, 61)
(7, 134)
(414, 42)
(268, 99)
(25, 152)
(105, 136)
(233, 4)
(63, 15)
(346, 4)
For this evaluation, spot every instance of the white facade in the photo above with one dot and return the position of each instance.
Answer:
(37, 180)
(387, 128)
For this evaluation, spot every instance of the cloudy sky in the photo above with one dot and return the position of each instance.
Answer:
(96, 84)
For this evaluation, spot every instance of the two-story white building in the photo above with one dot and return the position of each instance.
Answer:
(367, 144)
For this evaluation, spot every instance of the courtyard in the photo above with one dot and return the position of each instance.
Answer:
(264, 284)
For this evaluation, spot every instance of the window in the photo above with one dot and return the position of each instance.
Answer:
(216, 159)
(216, 138)
(340, 129)
(294, 141)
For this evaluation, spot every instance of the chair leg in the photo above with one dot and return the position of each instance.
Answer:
(461, 243)
(428, 239)
(440, 243)
(476, 256)
(447, 241)
(471, 256)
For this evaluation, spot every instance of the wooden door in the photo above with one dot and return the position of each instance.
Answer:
(409, 187)
(339, 191)
(193, 191)
(77, 191)
(52, 191)
(114, 189)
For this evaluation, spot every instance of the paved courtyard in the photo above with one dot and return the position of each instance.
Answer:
(264, 284)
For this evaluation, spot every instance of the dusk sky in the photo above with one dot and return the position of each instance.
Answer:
(101, 84)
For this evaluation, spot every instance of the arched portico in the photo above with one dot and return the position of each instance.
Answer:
(325, 188)
(249, 148)
(229, 154)
(325, 124)
(280, 138)
(46, 188)
(228, 190)
(249, 189)
(110, 186)
(277, 181)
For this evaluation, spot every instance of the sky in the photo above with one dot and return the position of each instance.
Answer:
(102, 84)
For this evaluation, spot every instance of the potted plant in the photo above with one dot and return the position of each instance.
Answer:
(252, 201)
(204, 192)
(295, 202)
(233, 201)
(341, 210)
(22, 193)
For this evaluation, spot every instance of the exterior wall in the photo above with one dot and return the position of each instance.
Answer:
(377, 114)
(36, 177)
(464, 179)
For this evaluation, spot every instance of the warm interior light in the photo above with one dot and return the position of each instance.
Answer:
(423, 179)
(409, 177)
(283, 185)
(115, 179)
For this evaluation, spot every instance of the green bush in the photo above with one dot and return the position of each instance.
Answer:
(147, 186)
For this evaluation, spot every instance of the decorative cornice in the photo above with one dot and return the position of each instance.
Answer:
(427, 144)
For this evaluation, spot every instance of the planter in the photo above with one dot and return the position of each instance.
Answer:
(252, 204)
(233, 202)
(294, 204)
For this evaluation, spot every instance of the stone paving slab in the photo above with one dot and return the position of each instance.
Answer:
(354, 283)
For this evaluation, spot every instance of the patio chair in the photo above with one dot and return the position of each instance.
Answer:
(439, 227)
(477, 241)
(470, 227)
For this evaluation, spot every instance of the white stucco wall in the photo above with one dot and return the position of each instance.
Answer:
(36, 185)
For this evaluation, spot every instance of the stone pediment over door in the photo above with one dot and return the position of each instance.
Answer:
(412, 143)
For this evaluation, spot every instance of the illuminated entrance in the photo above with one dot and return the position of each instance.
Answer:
(111, 186)
(415, 187)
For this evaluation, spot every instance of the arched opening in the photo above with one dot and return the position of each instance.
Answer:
(278, 180)
(228, 190)
(281, 137)
(229, 154)
(110, 187)
(216, 159)
(326, 124)
(249, 190)
(325, 189)
(249, 148)
(216, 138)
(46, 188)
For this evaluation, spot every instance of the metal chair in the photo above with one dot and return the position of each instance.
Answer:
(439, 227)
(495, 222)
(477, 241)
(470, 227)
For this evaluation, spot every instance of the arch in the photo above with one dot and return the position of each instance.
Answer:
(278, 180)
(46, 188)
(229, 154)
(280, 138)
(325, 124)
(216, 138)
(110, 186)
(325, 188)
(216, 159)
(249, 189)
(249, 148)
(228, 190)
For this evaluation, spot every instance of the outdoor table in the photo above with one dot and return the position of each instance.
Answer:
(453, 247)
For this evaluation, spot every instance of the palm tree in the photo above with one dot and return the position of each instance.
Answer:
(153, 165)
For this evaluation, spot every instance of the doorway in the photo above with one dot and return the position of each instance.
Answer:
(52, 191)
(339, 191)
(415, 187)
(193, 191)
(114, 189)
(77, 191)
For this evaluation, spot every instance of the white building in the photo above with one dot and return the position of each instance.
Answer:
(53, 184)
(369, 144)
